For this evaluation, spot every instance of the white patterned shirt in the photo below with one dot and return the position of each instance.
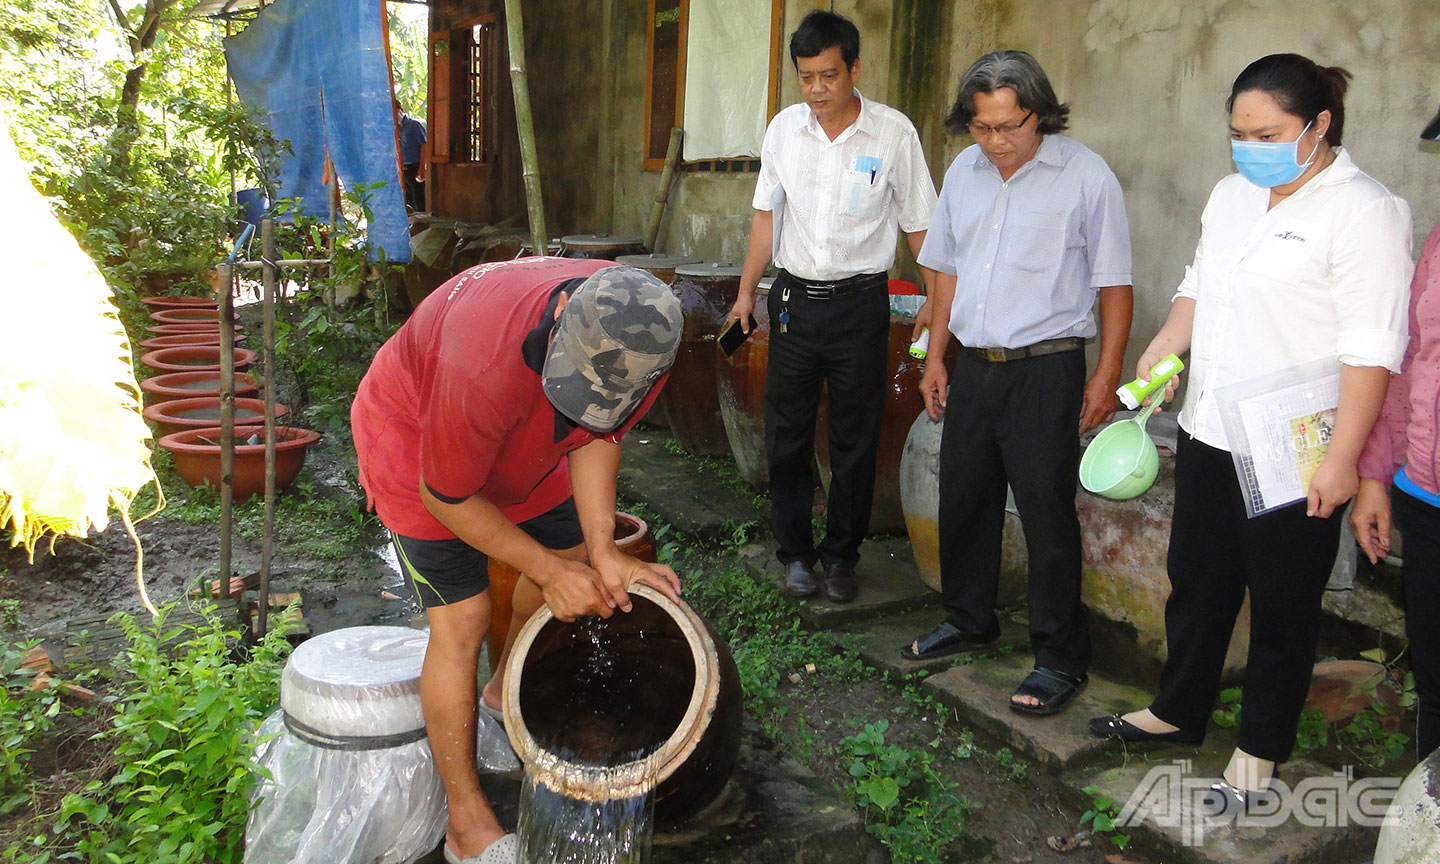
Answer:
(845, 201)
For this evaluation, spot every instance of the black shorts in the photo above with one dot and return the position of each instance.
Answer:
(441, 572)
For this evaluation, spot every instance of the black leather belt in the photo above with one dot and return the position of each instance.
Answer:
(1039, 349)
(817, 290)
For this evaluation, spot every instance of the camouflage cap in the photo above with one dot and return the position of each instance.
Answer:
(616, 336)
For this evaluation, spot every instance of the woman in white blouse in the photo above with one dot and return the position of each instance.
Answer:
(1303, 259)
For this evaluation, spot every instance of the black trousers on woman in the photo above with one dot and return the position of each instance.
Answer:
(841, 343)
(1421, 575)
(1284, 558)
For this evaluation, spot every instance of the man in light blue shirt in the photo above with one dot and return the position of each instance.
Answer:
(1029, 231)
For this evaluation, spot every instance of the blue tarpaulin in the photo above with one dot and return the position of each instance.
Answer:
(317, 71)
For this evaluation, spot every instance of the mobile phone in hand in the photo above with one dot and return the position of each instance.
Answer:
(732, 337)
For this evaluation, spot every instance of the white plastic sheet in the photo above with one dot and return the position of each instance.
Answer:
(727, 75)
(352, 779)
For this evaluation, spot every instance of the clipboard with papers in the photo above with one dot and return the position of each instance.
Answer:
(1279, 427)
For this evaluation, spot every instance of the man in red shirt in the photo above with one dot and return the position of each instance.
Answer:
(490, 425)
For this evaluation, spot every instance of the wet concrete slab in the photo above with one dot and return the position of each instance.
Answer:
(1156, 796)
(980, 692)
(880, 638)
(701, 498)
(888, 581)
(773, 810)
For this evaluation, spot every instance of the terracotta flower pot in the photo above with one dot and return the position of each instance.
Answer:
(187, 385)
(194, 358)
(633, 537)
(192, 327)
(196, 455)
(1343, 688)
(200, 412)
(174, 340)
(185, 316)
(158, 303)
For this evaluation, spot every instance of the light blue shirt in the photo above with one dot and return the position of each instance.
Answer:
(1029, 254)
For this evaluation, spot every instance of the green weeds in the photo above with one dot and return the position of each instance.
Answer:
(1101, 815)
(908, 805)
(176, 787)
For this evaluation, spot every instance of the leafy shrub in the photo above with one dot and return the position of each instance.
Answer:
(182, 734)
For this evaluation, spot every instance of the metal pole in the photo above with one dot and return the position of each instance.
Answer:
(227, 419)
(267, 241)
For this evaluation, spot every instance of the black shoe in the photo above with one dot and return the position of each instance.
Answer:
(840, 584)
(1226, 802)
(1119, 728)
(800, 579)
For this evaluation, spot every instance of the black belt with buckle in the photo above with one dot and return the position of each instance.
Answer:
(1039, 349)
(817, 290)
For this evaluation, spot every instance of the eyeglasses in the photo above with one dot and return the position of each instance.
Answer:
(1009, 130)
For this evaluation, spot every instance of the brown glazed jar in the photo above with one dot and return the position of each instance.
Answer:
(607, 246)
(632, 535)
(587, 703)
(706, 292)
(740, 382)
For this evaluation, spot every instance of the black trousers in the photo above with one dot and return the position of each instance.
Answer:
(1421, 576)
(841, 343)
(1284, 558)
(414, 189)
(1015, 423)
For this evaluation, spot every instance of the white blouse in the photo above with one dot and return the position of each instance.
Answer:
(1325, 274)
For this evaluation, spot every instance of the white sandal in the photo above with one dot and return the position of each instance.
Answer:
(506, 850)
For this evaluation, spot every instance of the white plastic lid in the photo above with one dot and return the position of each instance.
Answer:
(359, 681)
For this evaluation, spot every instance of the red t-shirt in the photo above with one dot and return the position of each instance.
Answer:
(454, 396)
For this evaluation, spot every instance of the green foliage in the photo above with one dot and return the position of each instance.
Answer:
(1100, 817)
(1373, 745)
(182, 734)
(10, 613)
(1312, 733)
(1227, 716)
(908, 806)
(25, 716)
(1015, 769)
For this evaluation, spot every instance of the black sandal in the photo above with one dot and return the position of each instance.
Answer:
(944, 641)
(1053, 689)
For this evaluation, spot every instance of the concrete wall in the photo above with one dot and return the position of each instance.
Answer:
(1146, 82)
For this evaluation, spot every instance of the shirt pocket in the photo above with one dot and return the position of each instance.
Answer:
(1036, 240)
(1282, 255)
(863, 190)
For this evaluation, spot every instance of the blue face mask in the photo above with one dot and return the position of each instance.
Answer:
(1271, 163)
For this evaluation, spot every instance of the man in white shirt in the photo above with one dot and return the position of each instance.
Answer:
(1029, 231)
(840, 177)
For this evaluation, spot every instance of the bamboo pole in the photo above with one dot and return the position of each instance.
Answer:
(227, 419)
(657, 212)
(267, 243)
(524, 122)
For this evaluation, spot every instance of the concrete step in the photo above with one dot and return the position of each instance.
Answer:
(703, 498)
(1156, 794)
(888, 580)
(980, 693)
(880, 638)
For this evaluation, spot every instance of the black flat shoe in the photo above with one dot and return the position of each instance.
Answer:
(1225, 802)
(1117, 727)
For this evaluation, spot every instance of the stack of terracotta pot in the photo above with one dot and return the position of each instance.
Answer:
(184, 400)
